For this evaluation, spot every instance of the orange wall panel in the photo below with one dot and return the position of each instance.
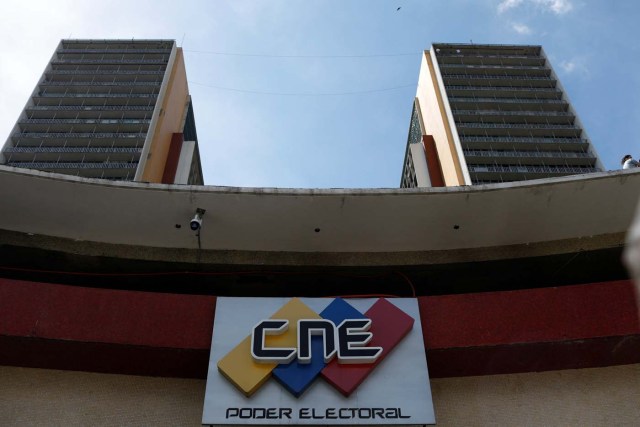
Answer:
(173, 106)
(436, 124)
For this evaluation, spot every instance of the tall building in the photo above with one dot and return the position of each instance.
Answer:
(111, 109)
(492, 113)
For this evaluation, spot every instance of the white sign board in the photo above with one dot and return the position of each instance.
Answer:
(247, 384)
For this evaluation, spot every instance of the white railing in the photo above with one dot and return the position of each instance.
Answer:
(81, 83)
(507, 100)
(74, 165)
(97, 95)
(495, 77)
(515, 126)
(66, 135)
(133, 150)
(81, 72)
(90, 107)
(527, 154)
(511, 113)
(85, 121)
(532, 140)
(531, 168)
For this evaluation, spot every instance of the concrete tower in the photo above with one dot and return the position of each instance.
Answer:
(492, 113)
(112, 109)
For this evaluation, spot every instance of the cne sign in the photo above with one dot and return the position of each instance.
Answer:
(317, 361)
(351, 337)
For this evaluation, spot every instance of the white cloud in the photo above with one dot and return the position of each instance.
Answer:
(568, 66)
(578, 65)
(520, 28)
(559, 7)
(508, 4)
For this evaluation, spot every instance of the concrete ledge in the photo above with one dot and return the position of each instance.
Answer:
(276, 223)
(302, 259)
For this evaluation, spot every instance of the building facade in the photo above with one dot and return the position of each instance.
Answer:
(108, 299)
(490, 114)
(110, 109)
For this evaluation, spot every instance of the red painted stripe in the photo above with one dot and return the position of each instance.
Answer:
(59, 312)
(543, 356)
(389, 326)
(173, 157)
(433, 161)
(103, 357)
(66, 327)
(529, 316)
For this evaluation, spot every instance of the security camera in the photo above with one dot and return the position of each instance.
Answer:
(196, 222)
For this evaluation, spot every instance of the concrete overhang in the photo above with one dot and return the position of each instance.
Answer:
(317, 226)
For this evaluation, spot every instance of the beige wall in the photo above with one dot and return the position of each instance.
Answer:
(169, 122)
(30, 397)
(436, 124)
(584, 397)
(578, 397)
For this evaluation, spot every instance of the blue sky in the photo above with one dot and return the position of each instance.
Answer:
(332, 114)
